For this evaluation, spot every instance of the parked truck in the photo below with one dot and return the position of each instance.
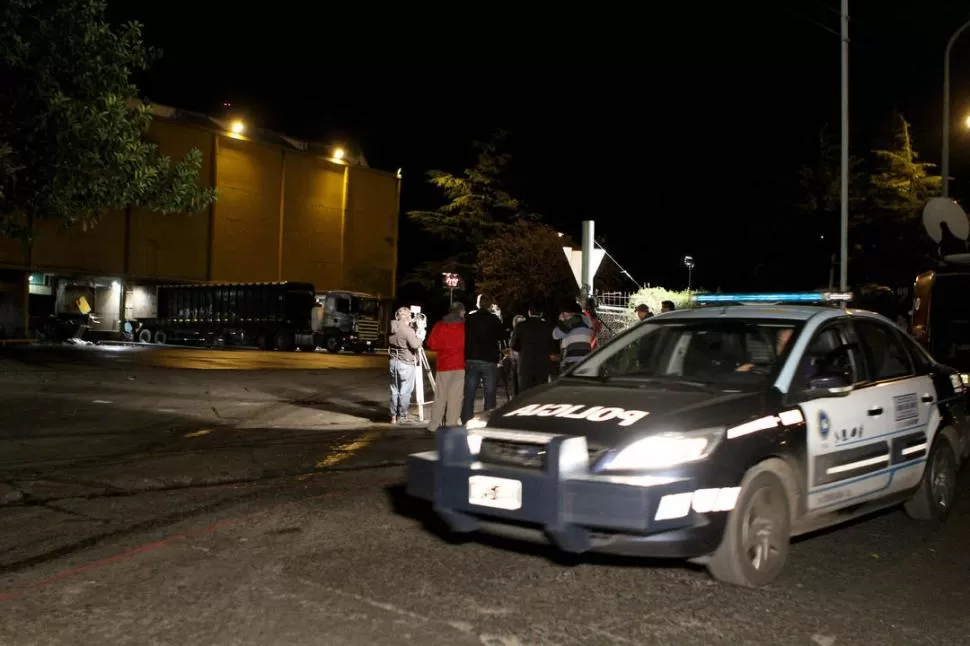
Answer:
(283, 316)
(350, 320)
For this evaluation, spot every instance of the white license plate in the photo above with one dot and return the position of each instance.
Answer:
(498, 493)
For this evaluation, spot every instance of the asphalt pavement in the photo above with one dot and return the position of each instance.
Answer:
(146, 498)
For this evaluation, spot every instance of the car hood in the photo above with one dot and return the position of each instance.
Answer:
(609, 414)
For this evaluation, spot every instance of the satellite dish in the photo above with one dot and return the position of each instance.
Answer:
(943, 210)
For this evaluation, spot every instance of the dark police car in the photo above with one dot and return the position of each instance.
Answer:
(713, 434)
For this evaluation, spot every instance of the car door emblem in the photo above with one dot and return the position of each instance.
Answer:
(823, 424)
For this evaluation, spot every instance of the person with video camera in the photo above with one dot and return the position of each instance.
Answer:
(484, 334)
(402, 348)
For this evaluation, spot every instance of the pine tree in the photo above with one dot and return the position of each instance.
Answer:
(901, 184)
(478, 208)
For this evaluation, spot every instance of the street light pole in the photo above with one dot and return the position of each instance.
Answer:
(844, 267)
(945, 166)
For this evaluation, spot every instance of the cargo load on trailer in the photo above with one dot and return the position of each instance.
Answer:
(282, 316)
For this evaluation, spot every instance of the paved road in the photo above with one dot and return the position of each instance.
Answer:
(191, 358)
(142, 505)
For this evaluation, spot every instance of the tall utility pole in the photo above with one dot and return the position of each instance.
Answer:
(945, 165)
(587, 270)
(844, 188)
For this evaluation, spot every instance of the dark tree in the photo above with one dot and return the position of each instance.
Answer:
(71, 123)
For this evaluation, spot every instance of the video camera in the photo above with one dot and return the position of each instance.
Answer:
(419, 322)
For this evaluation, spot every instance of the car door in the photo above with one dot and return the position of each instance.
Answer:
(847, 453)
(912, 413)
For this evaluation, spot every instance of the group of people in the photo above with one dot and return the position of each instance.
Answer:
(643, 310)
(470, 348)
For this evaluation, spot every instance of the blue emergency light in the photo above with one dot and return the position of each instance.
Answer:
(777, 297)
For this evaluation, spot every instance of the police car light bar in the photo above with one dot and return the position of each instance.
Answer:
(778, 297)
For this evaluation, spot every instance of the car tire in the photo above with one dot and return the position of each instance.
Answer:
(937, 489)
(754, 548)
(161, 337)
(145, 335)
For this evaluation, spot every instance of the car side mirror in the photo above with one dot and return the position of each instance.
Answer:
(829, 385)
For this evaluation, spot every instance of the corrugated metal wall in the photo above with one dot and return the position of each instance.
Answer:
(280, 216)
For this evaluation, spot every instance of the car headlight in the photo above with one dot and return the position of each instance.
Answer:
(474, 439)
(666, 450)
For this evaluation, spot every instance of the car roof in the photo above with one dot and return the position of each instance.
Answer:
(781, 312)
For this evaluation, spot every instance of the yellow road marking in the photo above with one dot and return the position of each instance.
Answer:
(346, 451)
(200, 433)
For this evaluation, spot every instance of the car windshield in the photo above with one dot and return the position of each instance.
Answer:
(365, 306)
(719, 352)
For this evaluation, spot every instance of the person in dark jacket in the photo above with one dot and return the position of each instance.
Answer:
(483, 340)
(447, 340)
(532, 340)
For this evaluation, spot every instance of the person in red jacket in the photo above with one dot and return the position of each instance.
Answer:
(447, 340)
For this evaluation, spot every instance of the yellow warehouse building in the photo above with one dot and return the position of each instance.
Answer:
(287, 210)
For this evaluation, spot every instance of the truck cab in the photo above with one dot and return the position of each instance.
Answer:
(941, 314)
(348, 320)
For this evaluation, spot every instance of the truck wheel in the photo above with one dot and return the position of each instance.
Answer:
(755, 544)
(145, 335)
(308, 348)
(937, 489)
(333, 344)
(161, 338)
(285, 341)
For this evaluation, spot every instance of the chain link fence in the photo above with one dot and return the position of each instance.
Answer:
(615, 313)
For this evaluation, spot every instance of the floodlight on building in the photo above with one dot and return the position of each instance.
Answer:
(338, 153)
(237, 127)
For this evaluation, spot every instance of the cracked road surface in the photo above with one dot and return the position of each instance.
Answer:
(147, 505)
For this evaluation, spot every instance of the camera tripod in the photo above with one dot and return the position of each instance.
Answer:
(422, 366)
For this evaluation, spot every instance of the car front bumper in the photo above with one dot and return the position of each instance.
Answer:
(564, 504)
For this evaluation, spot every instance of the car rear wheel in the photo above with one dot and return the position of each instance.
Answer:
(937, 489)
(754, 548)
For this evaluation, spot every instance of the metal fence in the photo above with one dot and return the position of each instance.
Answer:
(615, 313)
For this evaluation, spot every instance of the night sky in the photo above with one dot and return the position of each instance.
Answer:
(678, 130)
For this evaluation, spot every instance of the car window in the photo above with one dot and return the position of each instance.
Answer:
(885, 354)
(829, 353)
(921, 359)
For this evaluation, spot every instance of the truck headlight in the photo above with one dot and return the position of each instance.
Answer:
(665, 450)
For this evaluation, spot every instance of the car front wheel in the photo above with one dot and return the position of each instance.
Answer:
(754, 548)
